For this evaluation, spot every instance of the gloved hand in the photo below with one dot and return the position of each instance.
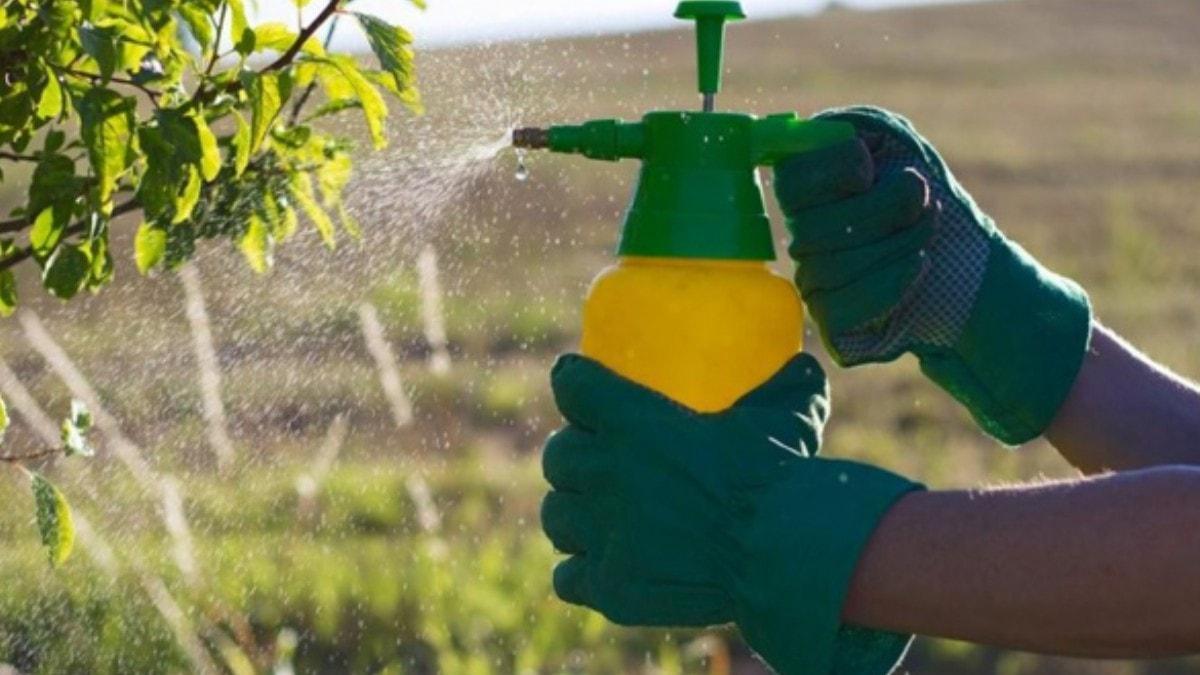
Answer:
(676, 518)
(894, 256)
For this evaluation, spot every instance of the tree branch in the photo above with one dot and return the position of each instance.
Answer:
(212, 62)
(19, 158)
(286, 58)
(152, 94)
(31, 457)
(21, 255)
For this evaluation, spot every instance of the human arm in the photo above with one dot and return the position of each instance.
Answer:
(1125, 411)
(1101, 567)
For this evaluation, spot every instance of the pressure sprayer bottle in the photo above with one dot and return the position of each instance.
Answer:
(691, 308)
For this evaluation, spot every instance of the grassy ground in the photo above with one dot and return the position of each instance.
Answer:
(1074, 122)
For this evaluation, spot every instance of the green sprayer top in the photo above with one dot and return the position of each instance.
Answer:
(698, 195)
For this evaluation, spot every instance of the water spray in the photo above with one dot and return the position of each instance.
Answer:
(691, 308)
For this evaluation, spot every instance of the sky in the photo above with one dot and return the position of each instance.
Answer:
(447, 22)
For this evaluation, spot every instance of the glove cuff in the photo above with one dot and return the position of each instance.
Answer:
(1021, 348)
(799, 572)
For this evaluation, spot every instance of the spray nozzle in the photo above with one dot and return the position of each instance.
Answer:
(531, 138)
(598, 139)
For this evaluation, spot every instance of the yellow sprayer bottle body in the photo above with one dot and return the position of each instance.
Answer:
(703, 332)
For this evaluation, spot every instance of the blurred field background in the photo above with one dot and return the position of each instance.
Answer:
(344, 539)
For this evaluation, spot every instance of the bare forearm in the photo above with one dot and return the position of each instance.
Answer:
(1126, 412)
(1104, 567)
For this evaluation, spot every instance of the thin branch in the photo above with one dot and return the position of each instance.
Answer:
(216, 55)
(18, 157)
(286, 58)
(299, 106)
(14, 225)
(79, 227)
(152, 94)
(32, 456)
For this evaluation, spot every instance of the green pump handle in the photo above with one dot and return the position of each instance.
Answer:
(710, 17)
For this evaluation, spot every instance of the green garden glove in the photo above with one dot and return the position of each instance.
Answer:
(894, 256)
(676, 518)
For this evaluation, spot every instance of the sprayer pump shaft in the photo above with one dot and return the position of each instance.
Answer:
(532, 138)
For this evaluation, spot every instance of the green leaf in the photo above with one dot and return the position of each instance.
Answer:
(74, 442)
(273, 35)
(81, 417)
(333, 107)
(101, 271)
(3, 412)
(53, 142)
(74, 430)
(54, 520)
(302, 190)
(267, 93)
(241, 144)
(293, 137)
(107, 123)
(392, 45)
(332, 177)
(237, 18)
(349, 223)
(66, 271)
(409, 96)
(47, 229)
(54, 183)
(245, 44)
(198, 23)
(210, 156)
(186, 200)
(50, 103)
(149, 247)
(156, 191)
(93, 10)
(256, 246)
(374, 108)
(8, 295)
(101, 45)
(278, 37)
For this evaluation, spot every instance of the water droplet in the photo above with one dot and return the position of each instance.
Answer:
(522, 173)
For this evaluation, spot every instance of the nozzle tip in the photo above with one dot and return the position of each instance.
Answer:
(531, 138)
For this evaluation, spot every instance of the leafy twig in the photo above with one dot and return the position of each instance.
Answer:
(79, 227)
(203, 95)
(14, 225)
